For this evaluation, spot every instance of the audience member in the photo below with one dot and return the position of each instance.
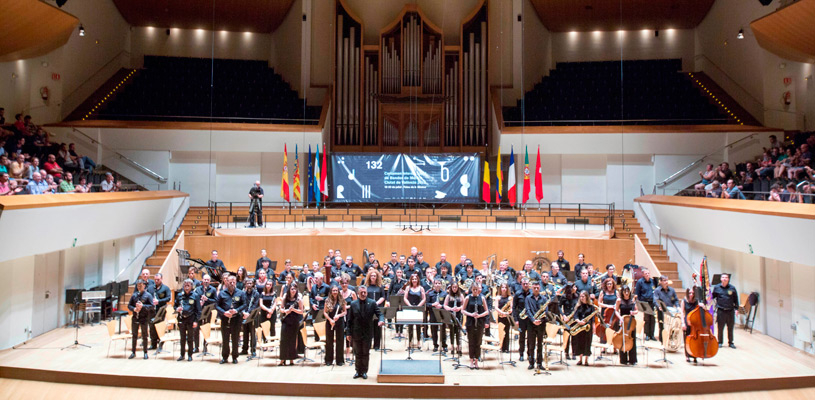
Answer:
(52, 167)
(67, 184)
(108, 185)
(732, 191)
(37, 185)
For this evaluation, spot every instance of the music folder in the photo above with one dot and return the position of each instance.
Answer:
(646, 308)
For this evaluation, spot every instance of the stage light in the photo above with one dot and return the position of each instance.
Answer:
(81, 30)
(741, 34)
(656, 33)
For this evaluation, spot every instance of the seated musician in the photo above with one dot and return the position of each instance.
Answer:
(461, 266)
(430, 277)
(468, 277)
(286, 272)
(531, 274)
(215, 267)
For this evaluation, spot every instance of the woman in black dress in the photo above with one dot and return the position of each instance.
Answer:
(291, 313)
(627, 306)
(398, 289)
(268, 304)
(373, 281)
(475, 308)
(452, 303)
(241, 277)
(504, 297)
(334, 312)
(414, 297)
(689, 303)
(568, 301)
(581, 342)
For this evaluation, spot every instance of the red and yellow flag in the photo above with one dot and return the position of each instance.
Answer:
(284, 185)
(296, 174)
(485, 188)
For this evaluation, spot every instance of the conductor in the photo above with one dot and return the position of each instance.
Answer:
(256, 205)
(360, 329)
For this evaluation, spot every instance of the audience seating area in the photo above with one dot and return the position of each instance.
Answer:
(647, 92)
(178, 89)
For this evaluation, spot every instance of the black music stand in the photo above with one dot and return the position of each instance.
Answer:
(301, 287)
(439, 317)
(396, 302)
(646, 308)
(76, 296)
(569, 275)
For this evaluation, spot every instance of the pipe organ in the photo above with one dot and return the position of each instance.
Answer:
(410, 91)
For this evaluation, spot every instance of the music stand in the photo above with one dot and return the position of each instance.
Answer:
(301, 287)
(646, 308)
(437, 315)
(278, 288)
(205, 318)
(390, 314)
(569, 275)
(77, 296)
(717, 279)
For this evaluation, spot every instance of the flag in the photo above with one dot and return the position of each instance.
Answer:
(526, 177)
(284, 183)
(485, 188)
(310, 178)
(538, 178)
(296, 175)
(317, 176)
(511, 191)
(324, 175)
(500, 175)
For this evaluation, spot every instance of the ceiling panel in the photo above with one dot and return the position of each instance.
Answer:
(789, 32)
(31, 28)
(611, 15)
(261, 16)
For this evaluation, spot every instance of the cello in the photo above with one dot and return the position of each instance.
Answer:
(701, 342)
(623, 339)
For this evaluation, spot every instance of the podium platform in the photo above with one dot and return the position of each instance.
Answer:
(410, 371)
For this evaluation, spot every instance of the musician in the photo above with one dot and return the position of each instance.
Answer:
(519, 303)
(334, 262)
(259, 264)
(536, 328)
(546, 287)
(241, 276)
(336, 271)
(556, 276)
(516, 286)
(504, 311)
(415, 296)
(476, 310)
(644, 292)
(414, 254)
(206, 293)
(667, 296)
(581, 342)
(291, 314)
(584, 284)
(461, 266)
(268, 305)
(421, 264)
(608, 301)
(368, 263)
(452, 303)
(256, 205)
(353, 270)
(141, 304)
(161, 296)
(443, 263)
(402, 262)
(627, 306)
(362, 312)
(281, 278)
(435, 298)
(215, 267)
(592, 271)
(334, 312)
(530, 273)
(430, 277)
(306, 274)
(503, 275)
(377, 293)
(319, 291)
(444, 275)
(398, 285)
(188, 310)
(191, 272)
(467, 279)
(248, 326)
(231, 303)
(394, 262)
(485, 268)
(567, 303)
(261, 279)
(330, 254)
(562, 263)
(689, 303)
(412, 269)
(611, 272)
(727, 303)
(581, 264)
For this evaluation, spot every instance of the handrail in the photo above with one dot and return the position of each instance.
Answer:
(726, 75)
(662, 121)
(682, 171)
(172, 218)
(136, 257)
(91, 76)
(668, 239)
(145, 170)
(647, 218)
(290, 121)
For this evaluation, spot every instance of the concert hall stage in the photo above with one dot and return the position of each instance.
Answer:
(759, 364)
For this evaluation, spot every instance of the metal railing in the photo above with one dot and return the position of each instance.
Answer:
(688, 167)
(408, 216)
(207, 118)
(137, 165)
(612, 122)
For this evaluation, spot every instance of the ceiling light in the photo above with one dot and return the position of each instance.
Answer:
(741, 34)
(81, 30)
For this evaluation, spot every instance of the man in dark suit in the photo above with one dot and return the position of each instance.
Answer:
(360, 329)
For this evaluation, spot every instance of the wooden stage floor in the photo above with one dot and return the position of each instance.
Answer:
(759, 364)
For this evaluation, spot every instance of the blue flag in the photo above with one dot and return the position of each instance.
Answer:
(317, 176)
(310, 178)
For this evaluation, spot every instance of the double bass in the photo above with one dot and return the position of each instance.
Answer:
(700, 342)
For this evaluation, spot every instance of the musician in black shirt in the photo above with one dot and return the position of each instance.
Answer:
(435, 300)
(231, 303)
(248, 326)
(263, 262)
(188, 310)
(519, 303)
(727, 304)
(141, 305)
(476, 310)
(215, 267)
(256, 205)
(664, 295)
(536, 328)
(562, 263)
(161, 296)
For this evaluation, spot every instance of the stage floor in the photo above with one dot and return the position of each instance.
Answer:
(760, 363)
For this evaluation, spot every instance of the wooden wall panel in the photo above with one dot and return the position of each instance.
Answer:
(244, 250)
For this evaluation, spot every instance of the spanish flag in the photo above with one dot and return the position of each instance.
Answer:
(284, 185)
(296, 175)
(485, 188)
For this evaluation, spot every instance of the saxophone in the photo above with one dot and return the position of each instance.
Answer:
(577, 328)
(542, 310)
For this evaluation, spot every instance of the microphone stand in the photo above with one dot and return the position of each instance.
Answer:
(76, 344)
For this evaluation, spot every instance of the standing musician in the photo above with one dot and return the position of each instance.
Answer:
(259, 263)
(248, 326)
(535, 329)
(191, 272)
(231, 303)
(476, 310)
(414, 297)
(611, 272)
(261, 279)
(644, 292)
(268, 303)
(503, 275)
(256, 205)
(207, 293)
(334, 312)
(568, 302)
(504, 312)
(546, 287)
(666, 295)
(369, 263)
(412, 269)
(452, 303)
(461, 266)
(363, 310)
(188, 309)
(421, 264)
(581, 264)
(444, 275)
(215, 267)
(608, 301)
(581, 342)
(727, 303)
(319, 291)
(394, 262)
(467, 279)
(627, 306)
(562, 263)
(427, 284)
(141, 304)
(556, 276)
(353, 270)
(398, 285)
(291, 315)
(435, 297)
(377, 293)
(161, 296)
(689, 303)
(519, 303)
(241, 276)
(584, 284)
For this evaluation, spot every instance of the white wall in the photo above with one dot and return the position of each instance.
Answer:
(197, 43)
(286, 47)
(626, 45)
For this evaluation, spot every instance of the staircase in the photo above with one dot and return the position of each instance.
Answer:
(195, 222)
(626, 226)
(105, 94)
(736, 114)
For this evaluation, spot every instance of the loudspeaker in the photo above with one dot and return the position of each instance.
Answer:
(61, 3)
(765, 2)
